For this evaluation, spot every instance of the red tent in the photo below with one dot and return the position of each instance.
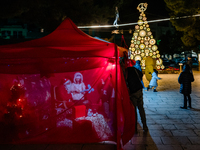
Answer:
(66, 87)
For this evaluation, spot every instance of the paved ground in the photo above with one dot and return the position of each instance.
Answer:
(170, 127)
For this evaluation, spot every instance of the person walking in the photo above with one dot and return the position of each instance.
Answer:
(134, 78)
(185, 79)
(138, 66)
(153, 82)
(189, 62)
(150, 65)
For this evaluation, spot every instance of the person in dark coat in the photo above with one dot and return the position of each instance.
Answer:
(185, 79)
(138, 66)
(134, 78)
(189, 62)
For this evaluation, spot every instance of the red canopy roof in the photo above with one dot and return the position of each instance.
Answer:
(66, 40)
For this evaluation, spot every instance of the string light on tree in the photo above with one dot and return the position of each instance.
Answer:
(142, 42)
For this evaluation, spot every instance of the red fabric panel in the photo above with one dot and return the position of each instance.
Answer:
(128, 110)
(51, 65)
(126, 113)
(79, 111)
(54, 52)
(47, 119)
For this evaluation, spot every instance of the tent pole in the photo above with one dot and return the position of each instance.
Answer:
(116, 59)
(119, 145)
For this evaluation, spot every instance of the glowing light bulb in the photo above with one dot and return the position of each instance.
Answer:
(142, 33)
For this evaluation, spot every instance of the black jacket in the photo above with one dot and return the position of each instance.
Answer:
(185, 79)
(189, 62)
(134, 77)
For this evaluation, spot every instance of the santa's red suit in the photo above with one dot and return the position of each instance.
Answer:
(63, 96)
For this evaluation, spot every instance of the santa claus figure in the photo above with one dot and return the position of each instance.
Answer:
(64, 92)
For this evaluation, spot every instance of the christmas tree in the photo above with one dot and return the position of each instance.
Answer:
(143, 43)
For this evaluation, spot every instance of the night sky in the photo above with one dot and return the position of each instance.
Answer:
(156, 10)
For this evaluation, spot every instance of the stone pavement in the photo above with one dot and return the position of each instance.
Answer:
(170, 127)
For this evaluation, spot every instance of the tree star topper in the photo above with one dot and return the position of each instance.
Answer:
(142, 7)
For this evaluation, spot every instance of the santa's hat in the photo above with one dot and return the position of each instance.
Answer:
(65, 81)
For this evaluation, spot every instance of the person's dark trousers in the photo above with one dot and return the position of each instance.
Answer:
(187, 98)
(137, 101)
